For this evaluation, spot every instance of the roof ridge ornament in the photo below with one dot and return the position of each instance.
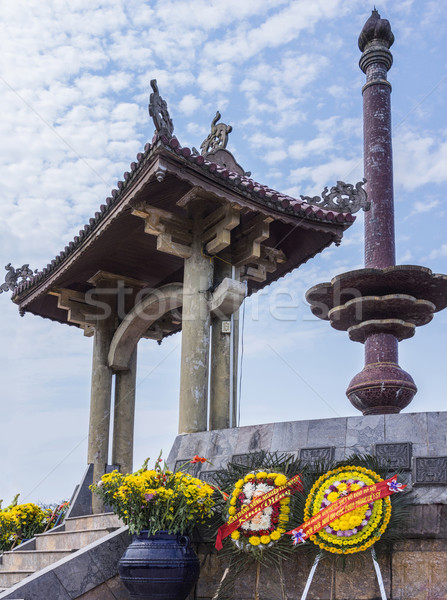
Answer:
(12, 277)
(158, 110)
(217, 138)
(343, 197)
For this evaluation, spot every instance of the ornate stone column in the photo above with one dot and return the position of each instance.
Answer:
(383, 303)
(382, 386)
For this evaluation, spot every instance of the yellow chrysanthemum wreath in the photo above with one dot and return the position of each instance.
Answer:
(356, 530)
(265, 528)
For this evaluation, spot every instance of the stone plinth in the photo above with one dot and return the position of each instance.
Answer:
(415, 443)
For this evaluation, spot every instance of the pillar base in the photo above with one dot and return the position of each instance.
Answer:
(381, 388)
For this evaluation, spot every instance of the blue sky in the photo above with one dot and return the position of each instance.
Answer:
(74, 81)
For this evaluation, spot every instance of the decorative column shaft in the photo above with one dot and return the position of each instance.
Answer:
(196, 321)
(124, 416)
(376, 60)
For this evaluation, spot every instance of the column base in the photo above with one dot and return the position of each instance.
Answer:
(381, 388)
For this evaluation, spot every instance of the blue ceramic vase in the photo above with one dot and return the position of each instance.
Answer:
(163, 566)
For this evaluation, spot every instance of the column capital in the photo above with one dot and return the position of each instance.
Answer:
(375, 41)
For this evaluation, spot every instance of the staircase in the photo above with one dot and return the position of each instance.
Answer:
(47, 548)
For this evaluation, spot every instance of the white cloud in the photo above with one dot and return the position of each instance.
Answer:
(326, 174)
(422, 207)
(420, 159)
(442, 251)
(189, 104)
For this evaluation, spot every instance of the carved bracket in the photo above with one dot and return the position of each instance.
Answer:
(343, 197)
(217, 228)
(268, 263)
(227, 297)
(248, 249)
(173, 233)
(79, 311)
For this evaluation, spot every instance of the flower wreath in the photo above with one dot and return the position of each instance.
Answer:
(358, 529)
(266, 527)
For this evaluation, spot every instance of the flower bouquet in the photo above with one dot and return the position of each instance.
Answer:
(161, 508)
(352, 507)
(266, 527)
(357, 529)
(20, 522)
(157, 499)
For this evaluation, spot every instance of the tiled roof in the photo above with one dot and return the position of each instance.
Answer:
(256, 192)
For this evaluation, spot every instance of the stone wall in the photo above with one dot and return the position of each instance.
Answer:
(414, 442)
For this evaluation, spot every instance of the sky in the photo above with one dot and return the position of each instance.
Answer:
(75, 83)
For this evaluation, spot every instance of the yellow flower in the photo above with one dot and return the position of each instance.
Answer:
(280, 480)
(332, 497)
(261, 475)
(249, 476)
(239, 484)
(232, 510)
(265, 539)
(233, 501)
(235, 535)
(275, 535)
(254, 540)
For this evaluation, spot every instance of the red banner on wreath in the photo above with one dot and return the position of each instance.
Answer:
(343, 505)
(248, 512)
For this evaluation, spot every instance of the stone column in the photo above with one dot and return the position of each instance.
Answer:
(224, 352)
(124, 416)
(234, 399)
(197, 281)
(101, 387)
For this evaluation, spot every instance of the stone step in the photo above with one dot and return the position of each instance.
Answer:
(10, 578)
(101, 521)
(30, 560)
(70, 540)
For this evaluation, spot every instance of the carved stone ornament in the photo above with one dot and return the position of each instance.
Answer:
(217, 138)
(12, 277)
(315, 455)
(397, 455)
(158, 110)
(343, 197)
(431, 470)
